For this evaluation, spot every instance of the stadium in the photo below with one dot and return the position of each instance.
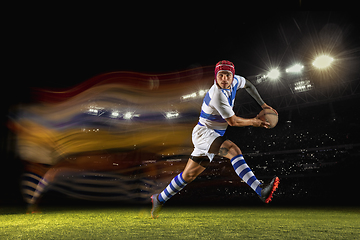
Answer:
(115, 130)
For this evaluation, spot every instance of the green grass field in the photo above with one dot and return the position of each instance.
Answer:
(181, 223)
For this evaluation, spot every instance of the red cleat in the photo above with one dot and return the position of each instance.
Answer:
(268, 190)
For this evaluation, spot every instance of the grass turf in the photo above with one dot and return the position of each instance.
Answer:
(181, 223)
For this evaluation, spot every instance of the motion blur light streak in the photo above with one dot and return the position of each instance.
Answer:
(125, 111)
(111, 125)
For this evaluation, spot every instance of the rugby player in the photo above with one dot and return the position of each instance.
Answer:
(207, 136)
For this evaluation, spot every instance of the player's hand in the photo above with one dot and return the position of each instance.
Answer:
(259, 123)
(265, 106)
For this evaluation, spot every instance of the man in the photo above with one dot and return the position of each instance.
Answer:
(207, 136)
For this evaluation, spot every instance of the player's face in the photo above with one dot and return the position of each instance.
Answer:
(224, 79)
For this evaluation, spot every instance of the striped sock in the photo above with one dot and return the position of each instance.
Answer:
(245, 173)
(41, 186)
(176, 185)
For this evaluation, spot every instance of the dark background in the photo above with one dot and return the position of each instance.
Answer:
(59, 46)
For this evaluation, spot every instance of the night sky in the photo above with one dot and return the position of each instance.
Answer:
(61, 48)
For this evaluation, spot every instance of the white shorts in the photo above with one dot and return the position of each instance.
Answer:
(202, 138)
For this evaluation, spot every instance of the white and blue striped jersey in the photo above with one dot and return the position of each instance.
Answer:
(218, 105)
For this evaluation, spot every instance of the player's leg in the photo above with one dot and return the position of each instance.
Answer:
(196, 164)
(204, 140)
(228, 149)
(191, 171)
(43, 185)
(231, 151)
(194, 167)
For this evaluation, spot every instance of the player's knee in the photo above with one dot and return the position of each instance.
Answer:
(236, 150)
(231, 149)
(188, 177)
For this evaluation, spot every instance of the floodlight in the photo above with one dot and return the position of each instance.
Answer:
(189, 96)
(295, 69)
(128, 115)
(194, 95)
(323, 61)
(273, 74)
(202, 93)
(171, 114)
(114, 114)
(302, 85)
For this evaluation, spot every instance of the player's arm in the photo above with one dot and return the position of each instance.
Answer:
(251, 89)
(236, 121)
(221, 104)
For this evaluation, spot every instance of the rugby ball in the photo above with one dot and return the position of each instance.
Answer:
(269, 116)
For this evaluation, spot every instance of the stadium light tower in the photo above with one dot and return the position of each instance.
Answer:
(273, 74)
(322, 61)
